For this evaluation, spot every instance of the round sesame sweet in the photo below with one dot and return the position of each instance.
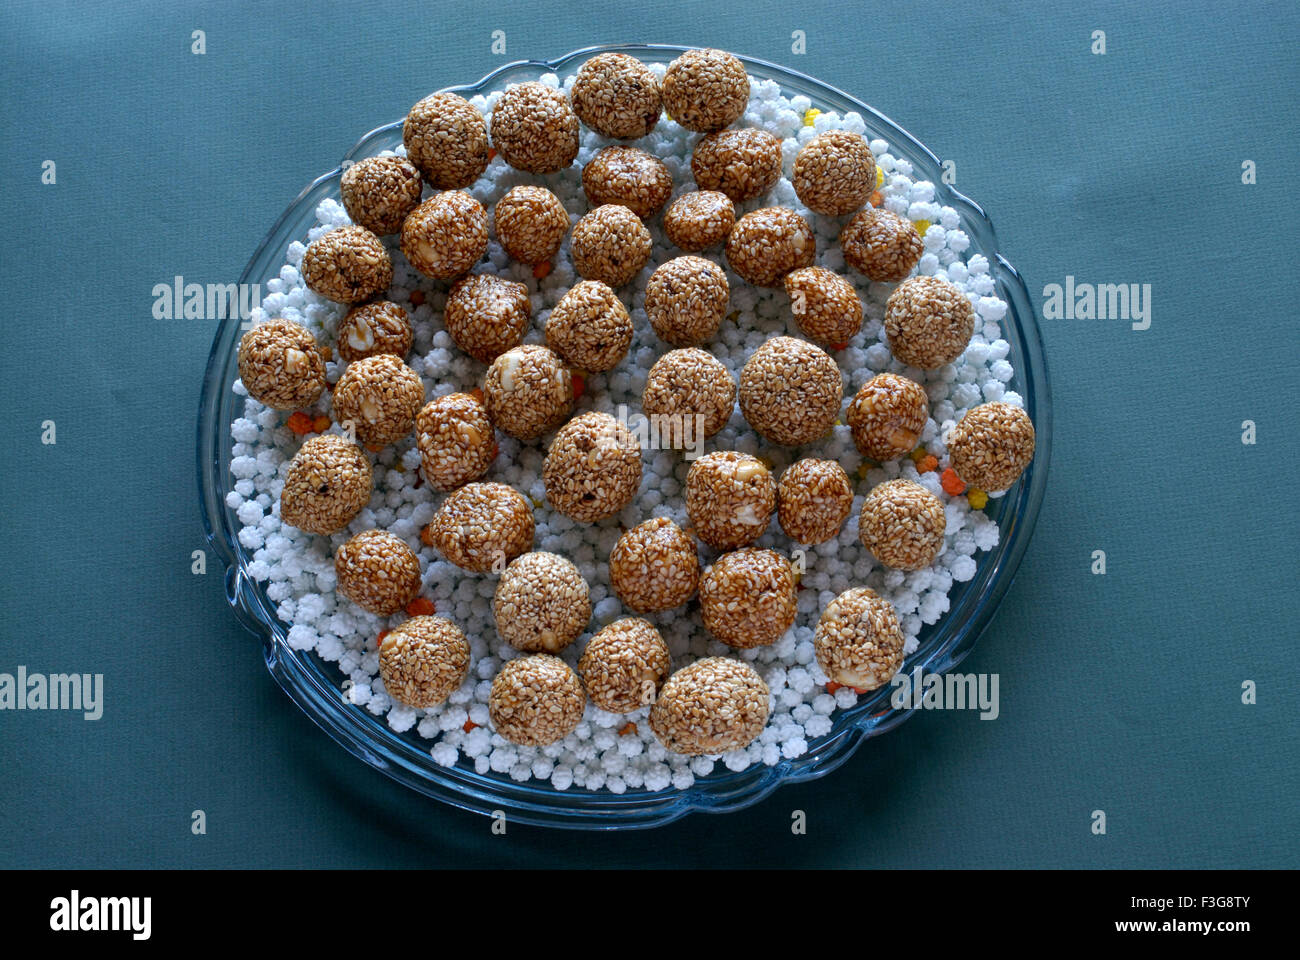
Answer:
(790, 391)
(534, 128)
(531, 223)
(347, 265)
(380, 326)
(902, 524)
(654, 566)
(705, 90)
(858, 642)
(378, 192)
(627, 176)
(887, 416)
(686, 300)
(482, 526)
(541, 604)
(528, 391)
(928, 322)
(280, 365)
(455, 439)
(447, 139)
(381, 396)
(617, 95)
(814, 498)
(991, 445)
(691, 392)
(698, 220)
(767, 244)
(747, 597)
(713, 705)
(487, 315)
(593, 468)
(377, 571)
(826, 308)
(423, 661)
(834, 173)
(328, 483)
(446, 235)
(880, 244)
(590, 327)
(610, 244)
(624, 665)
(536, 700)
(730, 497)
(743, 163)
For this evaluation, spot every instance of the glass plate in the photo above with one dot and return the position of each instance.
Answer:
(316, 685)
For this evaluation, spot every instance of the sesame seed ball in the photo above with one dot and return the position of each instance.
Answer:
(684, 385)
(377, 571)
(814, 498)
(790, 391)
(528, 391)
(706, 90)
(627, 176)
(617, 95)
(902, 524)
(347, 265)
(446, 137)
(381, 396)
(328, 483)
(590, 327)
(280, 365)
(699, 220)
(482, 525)
(834, 173)
(887, 416)
(610, 244)
(536, 700)
(858, 642)
(534, 128)
(456, 441)
(826, 308)
(880, 244)
(767, 244)
(487, 315)
(928, 322)
(743, 163)
(380, 326)
(423, 661)
(593, 468)
(730, 497)
(747, 597)
(379, 192)
(530, 223)
(686, 300)
(654, 566)
(624, 665)
(541, 604)
(446, 235)
(991, 445)
(711, 706)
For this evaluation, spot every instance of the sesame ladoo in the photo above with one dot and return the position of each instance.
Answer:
(542, 603)
(377, 571)
(826, 308)
(654, 567)
(705, 90)
(531, 223)
(423, 661)
(380, 326)
(347, 265)
(280, 365)
(536, 700)
(445, 235)
(881, 245)
(528, 391)
(378, 192)
(534, 128)
(328, 483)
(767, 244)
(380, 395)
(743, 163)
(610, 244)
(858, 642)
(617, 95)
(455, 439)
(991, 445)
(624, 665)
(487, 315)
(711, 706)
(928, 322)
(698, 220)
(887, 416)
(834, 173)
(590, 327)
(730, 497)
(627, 176)
(747, 597)
(686, 300)
(902, 524)
(691, 393)
(482, 527)
(593, 468)
(790, 391)
(446, 138)
(814, 498)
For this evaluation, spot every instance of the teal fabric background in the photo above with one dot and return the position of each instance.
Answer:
(1119, 692)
